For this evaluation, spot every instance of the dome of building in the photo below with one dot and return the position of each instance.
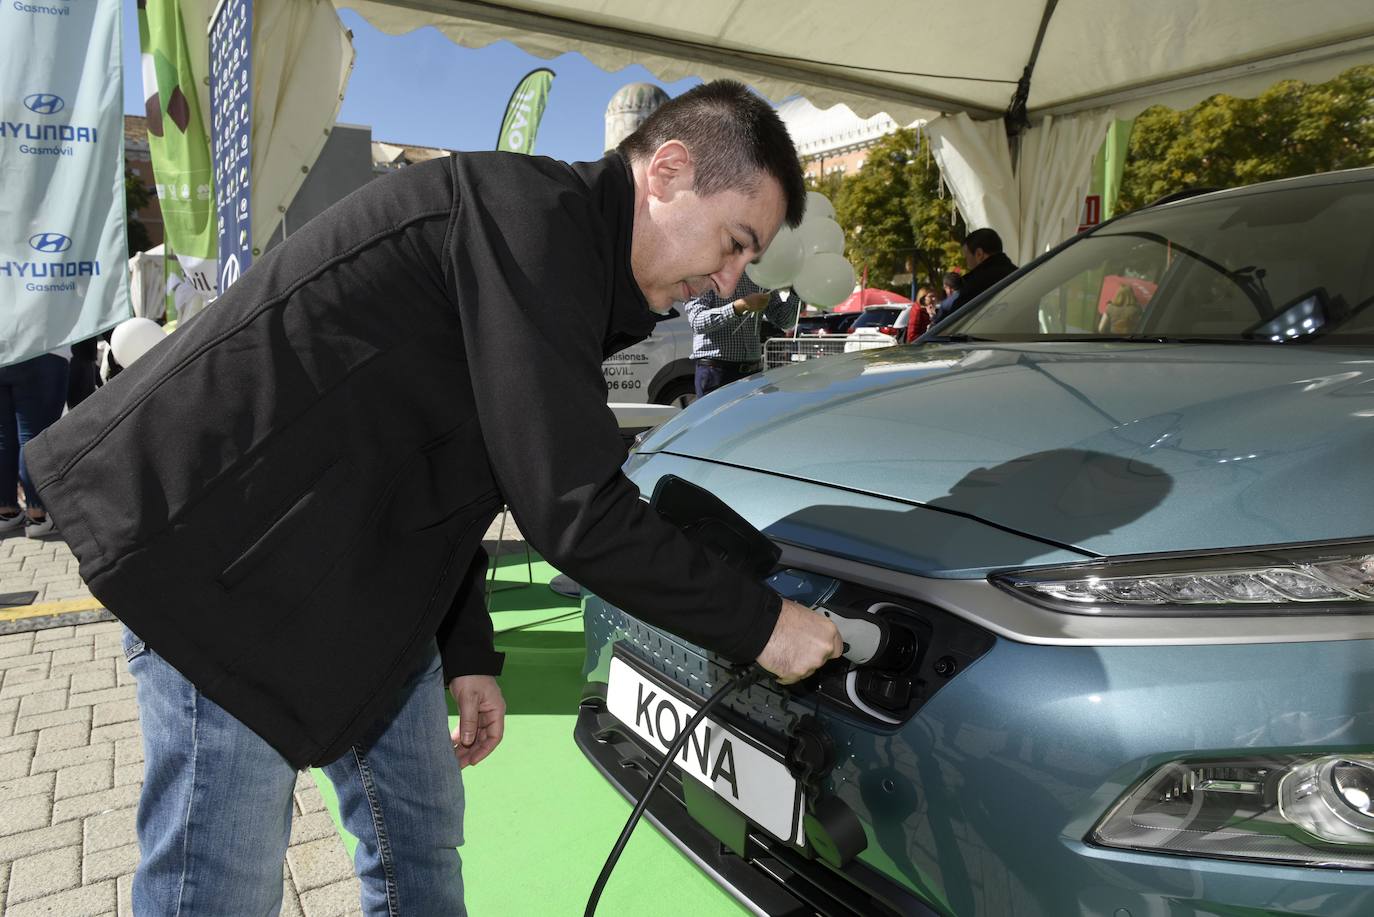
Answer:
(628, 108)
(638, 97)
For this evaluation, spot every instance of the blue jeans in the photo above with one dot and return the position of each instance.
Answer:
(32, 394)
(710, 377)
(214, 817)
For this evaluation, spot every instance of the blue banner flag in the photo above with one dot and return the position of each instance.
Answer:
(231, 143)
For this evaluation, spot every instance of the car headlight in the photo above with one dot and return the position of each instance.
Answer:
(1296, 580)
(1303, 810)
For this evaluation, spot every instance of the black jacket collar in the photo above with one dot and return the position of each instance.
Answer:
(611, 184)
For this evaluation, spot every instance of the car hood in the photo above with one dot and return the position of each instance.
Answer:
(1106, 448)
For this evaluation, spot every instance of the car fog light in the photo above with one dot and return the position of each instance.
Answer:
(1301, 579)
(1302, 810)
(1330, 798)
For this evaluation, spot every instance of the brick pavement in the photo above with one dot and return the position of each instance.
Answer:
(44, 565)
(71, 764)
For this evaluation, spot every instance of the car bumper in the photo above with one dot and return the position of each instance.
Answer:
(771, 878)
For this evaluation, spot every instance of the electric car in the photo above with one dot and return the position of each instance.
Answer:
(1122, 544)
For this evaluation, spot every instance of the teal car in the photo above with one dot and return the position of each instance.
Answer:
(1121, 509)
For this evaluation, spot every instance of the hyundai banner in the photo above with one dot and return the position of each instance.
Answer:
(231, 121)
(62, 211)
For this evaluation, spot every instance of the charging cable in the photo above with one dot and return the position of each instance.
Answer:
(744, 679)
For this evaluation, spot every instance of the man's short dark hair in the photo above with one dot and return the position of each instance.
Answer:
(986, 239)
(732, 135)
(952, 281)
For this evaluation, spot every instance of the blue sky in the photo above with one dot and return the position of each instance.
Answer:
(422, 89)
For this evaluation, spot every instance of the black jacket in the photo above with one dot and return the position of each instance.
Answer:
(980, 280)
(286, 498)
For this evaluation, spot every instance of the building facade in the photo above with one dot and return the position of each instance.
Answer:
(139, 162)
(833, 140)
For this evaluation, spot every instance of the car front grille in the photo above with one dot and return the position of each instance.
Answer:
(700, 672)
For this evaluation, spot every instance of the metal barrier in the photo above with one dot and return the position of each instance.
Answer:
(786, 351)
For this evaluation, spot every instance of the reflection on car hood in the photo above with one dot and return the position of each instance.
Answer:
(1110, 448)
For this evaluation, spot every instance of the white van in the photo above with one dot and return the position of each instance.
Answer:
(658, 370)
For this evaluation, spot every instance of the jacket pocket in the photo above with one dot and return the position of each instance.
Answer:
(447, 476)
(283, 525)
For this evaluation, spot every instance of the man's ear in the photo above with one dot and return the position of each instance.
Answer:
(670, 170)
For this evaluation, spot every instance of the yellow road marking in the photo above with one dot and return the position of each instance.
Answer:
(49, 608)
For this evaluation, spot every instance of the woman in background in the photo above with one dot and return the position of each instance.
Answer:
(32, 395)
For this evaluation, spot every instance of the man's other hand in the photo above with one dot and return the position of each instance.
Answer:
(481, 717)
(754, 302)
(802, 641)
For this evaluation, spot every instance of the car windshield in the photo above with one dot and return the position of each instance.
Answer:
(874, 318)
(1282, 265)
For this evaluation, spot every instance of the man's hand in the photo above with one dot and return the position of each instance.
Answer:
(481, 717)
(802, 641)
(754, 302)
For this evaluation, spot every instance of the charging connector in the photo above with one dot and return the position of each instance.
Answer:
(871, 642)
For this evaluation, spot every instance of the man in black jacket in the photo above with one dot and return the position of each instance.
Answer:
(285, 500)
(986, 264)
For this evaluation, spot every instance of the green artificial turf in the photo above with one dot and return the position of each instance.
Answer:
(540, 819)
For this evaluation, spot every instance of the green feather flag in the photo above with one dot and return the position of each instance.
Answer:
(524, 111)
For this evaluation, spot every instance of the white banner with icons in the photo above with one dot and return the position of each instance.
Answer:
(62, 236)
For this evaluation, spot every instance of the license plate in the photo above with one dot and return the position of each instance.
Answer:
(752, 779)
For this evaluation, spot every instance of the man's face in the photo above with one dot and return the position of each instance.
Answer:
(973, 257)
(686, 244)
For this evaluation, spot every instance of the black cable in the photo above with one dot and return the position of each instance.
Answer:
(743, 680)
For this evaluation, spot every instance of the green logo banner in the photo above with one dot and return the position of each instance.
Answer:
(177, 143)
(524, 111)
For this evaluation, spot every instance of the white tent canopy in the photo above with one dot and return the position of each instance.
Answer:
(1078, 63)
(920, 59)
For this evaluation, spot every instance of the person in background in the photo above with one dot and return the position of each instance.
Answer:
(986, 263)
(32, 394)
(919, 319)
(83, 375)
(725, 333)
(952, 284)
(1122, 315)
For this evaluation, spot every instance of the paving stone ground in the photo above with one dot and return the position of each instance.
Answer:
(71, 765)
(43, 565)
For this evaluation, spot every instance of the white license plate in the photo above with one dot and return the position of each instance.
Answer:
(752, 780)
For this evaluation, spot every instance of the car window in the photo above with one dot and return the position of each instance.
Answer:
(1279, 266)
(874, 318)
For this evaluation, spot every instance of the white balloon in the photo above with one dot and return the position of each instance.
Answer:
(781, 260)
(818, 205)
(759, 274)
(825, 279)
(134, 337)
(821, 235)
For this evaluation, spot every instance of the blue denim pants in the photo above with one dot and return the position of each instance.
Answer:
(710, 377)
(214, 817)
(32, 395)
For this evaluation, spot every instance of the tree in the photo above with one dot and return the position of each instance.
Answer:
(136, 197)
(893, 216)
(1290, 129)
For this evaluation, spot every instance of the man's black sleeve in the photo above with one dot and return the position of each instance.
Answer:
(466, 641)
(533, 291)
